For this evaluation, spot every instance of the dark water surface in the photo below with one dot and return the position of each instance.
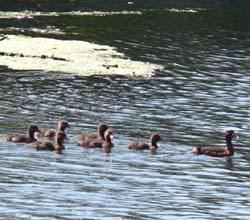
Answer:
(204, 90)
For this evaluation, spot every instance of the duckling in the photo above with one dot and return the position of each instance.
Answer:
(96, 135)
(219, 151)
(18, 138)
(46, 145)
(50, 133)
(138, 145)
(99, 143)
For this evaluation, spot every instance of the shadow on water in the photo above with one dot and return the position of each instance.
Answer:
(203, 91)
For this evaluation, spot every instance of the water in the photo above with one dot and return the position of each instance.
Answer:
(203, 91)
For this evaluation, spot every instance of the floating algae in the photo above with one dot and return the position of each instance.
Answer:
(69, 56)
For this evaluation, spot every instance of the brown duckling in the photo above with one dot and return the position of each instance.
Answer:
(99, 143)
(18, 138)
(46, 145)
(50, 133)
(96, 135)
(62, 125)
(219, 151)
(138, 145)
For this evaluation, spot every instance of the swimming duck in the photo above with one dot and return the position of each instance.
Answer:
(50, 133)
(96, 135)
(138, 145)
(18, 138)
(219, 151)
(46, 145)
(99, 143)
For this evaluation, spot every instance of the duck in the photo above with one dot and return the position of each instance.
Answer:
(139, 145)
(99, 143)
(46, 145)
(51, 133)
(101, 128)
(218, 151)
(19, 138)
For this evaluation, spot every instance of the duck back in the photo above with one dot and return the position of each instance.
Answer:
(38, 145)
(17, 138)
(137, 145)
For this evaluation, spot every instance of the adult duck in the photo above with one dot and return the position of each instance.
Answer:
(99, 143)
(139, 145)
(219, 151)
(101, 128)
(21, 138)
(46, 145)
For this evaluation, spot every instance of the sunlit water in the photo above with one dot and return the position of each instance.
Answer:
(203, 91)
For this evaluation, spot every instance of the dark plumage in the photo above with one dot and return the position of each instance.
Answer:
(18, 138)
(99, 143)
(138, 145)
(96, 135)
(50, 133)
(218, 151)
(46, 145)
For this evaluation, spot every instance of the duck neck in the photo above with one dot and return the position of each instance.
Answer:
(61, 129)
(31, 135)
(101, 134)
(230, 147)
(154, 143)
(108, 139)
(59, 146)
(59, 142)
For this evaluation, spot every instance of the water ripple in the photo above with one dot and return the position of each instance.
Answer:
(203, 91)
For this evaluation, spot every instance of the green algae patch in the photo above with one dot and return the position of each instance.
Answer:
(70, 56)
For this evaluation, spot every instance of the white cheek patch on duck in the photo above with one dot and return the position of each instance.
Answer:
(159, 144)
(37, 135)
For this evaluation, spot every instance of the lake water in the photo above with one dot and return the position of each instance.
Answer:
(203, 91)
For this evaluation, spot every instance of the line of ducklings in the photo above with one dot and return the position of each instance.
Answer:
(103, 139)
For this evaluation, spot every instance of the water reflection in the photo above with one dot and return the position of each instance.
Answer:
(229, 163)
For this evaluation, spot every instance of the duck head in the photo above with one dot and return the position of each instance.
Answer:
(109, 136)
(62, 125)
(101, 130)
(32, 129)
(155, 137)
